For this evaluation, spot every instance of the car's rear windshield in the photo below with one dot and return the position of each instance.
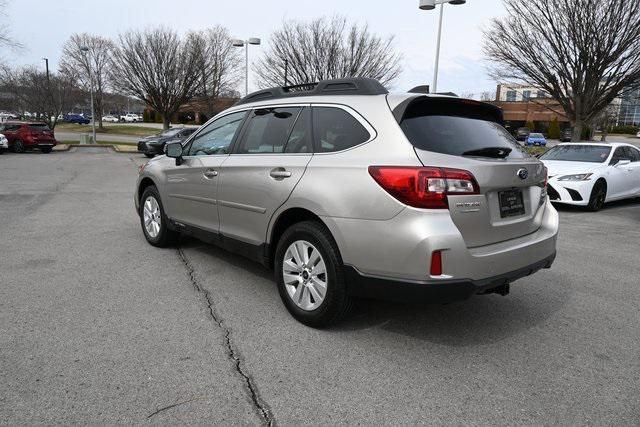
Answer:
(456, 127)
(39, 127)
(578, 153)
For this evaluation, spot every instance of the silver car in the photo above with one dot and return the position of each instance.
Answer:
(345, 191)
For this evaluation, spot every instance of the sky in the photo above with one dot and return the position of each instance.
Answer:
(42, 26)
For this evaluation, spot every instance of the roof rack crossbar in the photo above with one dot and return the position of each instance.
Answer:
(350, 86)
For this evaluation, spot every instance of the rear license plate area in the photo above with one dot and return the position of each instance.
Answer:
(511, 203)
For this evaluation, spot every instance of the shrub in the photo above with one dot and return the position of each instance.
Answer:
(530, 126)
(554, 129)
(627, 130)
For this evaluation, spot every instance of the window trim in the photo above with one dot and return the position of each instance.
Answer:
(246, 122)
(373, 134)
(245, 125)
(187, 143)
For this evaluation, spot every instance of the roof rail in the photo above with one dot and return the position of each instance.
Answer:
(350, 86)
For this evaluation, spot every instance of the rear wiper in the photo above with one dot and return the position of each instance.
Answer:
(495, 152)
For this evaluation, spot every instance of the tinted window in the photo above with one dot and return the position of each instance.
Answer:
(216, 137)
(170, 132)
(578, 153)
(335, 130)
(300, 138)
(39, 127)
(619, 154)
(454, 127)
(634, 153)
(536, 135)
(268, 130)
(187, 132)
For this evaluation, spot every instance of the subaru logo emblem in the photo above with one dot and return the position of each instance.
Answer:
(523, 174)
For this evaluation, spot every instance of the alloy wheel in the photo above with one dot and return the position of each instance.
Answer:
(305, 275)
(152, 217)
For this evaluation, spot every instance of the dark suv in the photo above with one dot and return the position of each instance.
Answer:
(23, 136)
(154, 145)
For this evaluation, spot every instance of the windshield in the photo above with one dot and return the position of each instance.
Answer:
(456, 128)
(171, 132)
(536, 135)
(578, 153)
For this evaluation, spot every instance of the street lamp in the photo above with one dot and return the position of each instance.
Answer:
(246, 43)
(430, 5)
(84, 51)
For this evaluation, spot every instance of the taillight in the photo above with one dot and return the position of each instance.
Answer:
(424, 187)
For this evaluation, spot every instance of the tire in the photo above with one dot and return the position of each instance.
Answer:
(157, 235)
(2, 151)
(46, 150)
(149, 155)
(336, 302)
(19, 147)
(598, 196)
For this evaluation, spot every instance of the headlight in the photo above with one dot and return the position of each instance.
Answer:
(577, 177)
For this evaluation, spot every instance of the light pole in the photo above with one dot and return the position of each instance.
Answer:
(246, 43)
(430, 5)
(84, 51)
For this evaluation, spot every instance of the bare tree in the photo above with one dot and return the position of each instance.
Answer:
(607, 118)
(6, 41)
(325, 48)
(583, 53)
(95, 63)
(218, 63)
(32, 90)
(158, 68)
(487, 96)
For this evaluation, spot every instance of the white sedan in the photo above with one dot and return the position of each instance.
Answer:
(4, 144)
(110, 118)
(591, 174)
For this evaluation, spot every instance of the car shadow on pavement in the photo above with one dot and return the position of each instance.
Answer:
(609, 205)
(477, 321)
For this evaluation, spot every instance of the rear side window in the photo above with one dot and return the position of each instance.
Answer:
(456, 128)
(39, 127)
(268, 130)
(334, 129)
(633, 154)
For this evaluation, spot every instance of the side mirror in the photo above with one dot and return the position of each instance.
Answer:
(623, 162)
(174, 150)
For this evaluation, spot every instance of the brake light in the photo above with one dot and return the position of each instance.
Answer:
(424, 187)
(436, 263)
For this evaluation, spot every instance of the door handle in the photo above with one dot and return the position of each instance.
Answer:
(210, 174)
(279, 173)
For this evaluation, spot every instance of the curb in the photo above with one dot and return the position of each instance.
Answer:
(113, 147)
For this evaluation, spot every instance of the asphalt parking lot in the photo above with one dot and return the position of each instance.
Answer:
(98, 327)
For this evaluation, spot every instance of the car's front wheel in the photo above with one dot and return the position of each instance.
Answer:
(308, 269)
(598, 196)
(46, 150)
(154, 220)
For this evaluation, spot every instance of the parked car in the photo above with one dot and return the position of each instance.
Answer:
(345, 191)
(4, 144)
(536, 139)
(130, 118)
(522, 134)
(110, 119)
(154, 145)
(566, 135)
(75, 118)
(5, 115)
(23, 136)
(592, 174)
(638, 135)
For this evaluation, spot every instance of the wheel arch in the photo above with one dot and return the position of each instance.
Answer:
(144, 184)
(282, 222)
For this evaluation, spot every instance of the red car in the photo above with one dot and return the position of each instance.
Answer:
(25, 136)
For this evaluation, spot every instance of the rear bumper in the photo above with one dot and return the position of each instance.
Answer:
(360, 285)
(400, 248)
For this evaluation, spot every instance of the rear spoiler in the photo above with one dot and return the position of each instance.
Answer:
(493, 111)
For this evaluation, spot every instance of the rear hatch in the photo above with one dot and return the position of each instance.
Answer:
(468, 135)
(41, 132)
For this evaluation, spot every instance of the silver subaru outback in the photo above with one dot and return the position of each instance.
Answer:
(345, 191)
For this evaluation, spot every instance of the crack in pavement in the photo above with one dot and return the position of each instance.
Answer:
(261, 407)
